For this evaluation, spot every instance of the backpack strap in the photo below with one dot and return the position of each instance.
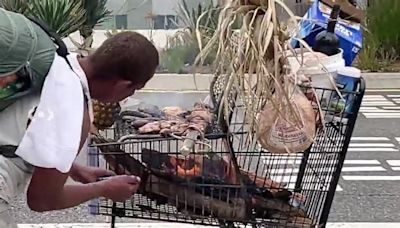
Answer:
(9, 150)
(62, 49)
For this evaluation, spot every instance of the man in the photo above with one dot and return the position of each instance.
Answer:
(61, 114)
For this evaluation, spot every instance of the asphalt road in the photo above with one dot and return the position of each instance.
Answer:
(368, 187)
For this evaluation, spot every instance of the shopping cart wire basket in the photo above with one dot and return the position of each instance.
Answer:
(230, 180)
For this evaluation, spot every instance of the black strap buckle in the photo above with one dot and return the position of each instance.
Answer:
(8, 151)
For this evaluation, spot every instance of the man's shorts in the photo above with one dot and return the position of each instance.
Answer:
(13, 182)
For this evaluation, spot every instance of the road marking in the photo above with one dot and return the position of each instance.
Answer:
(378, 149)
(396, 168)
(363, 225)
(372, 111)
(370, 138)
(380, 107)
(381, 115)
(373, 96)
(361, 162)
(183, 225)
(393, 162)
(371, 145)
(329, 169)
(346, 162)
(363, 169)
(292, 185)
(383, 103)
(369, 177)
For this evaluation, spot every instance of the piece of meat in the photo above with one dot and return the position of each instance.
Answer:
(135, 114)
(153, 127)
(150, 109)
(165, 124)
(173, 111)
(165, 132)
(140, 122)
(204, 115)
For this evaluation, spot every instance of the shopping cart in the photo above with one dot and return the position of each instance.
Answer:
(296, 190)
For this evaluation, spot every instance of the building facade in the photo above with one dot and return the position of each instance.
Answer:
(147, 14)
(163, 14)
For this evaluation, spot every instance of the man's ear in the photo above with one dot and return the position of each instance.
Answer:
(124, 83)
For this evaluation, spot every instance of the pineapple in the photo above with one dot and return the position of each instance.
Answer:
(105, 114)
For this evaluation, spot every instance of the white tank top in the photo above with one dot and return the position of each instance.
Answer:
(13, 120)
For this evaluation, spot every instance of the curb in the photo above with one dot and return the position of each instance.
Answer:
(201, 82)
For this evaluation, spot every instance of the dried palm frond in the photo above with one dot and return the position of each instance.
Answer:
(252, 59)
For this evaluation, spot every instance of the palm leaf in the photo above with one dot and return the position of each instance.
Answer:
(96, 13)
(18, 6)
(62, 16)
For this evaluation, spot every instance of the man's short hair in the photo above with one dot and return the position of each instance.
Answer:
(126, 55)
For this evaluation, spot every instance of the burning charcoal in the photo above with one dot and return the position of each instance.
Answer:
(283, 194)
(215, 167)
(155, 160)
(212, 187)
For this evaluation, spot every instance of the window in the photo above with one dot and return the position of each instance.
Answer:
(165, 22)
(121, 21)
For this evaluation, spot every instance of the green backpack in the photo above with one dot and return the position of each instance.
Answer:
(29, 55)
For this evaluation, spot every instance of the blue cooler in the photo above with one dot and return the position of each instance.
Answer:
(316, 20)
(347, 80)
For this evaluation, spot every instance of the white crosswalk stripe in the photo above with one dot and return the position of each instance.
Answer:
(286, 169)
(380, 106)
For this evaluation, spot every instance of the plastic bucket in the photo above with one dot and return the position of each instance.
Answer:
(322, 73)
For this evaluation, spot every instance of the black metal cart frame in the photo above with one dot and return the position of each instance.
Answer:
(313, 173)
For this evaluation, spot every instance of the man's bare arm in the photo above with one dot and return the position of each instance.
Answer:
(47, 190)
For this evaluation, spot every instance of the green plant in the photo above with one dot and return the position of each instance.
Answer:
(173, 59)
(382, 36)
(96, 12)
(367, 59)
(63, 16)
(18, 6)
(183, 47)
(383, 22)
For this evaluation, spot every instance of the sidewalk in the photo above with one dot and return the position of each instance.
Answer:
(179, 225)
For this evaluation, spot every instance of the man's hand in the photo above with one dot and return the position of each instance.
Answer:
(86, 174)
(119, 188)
